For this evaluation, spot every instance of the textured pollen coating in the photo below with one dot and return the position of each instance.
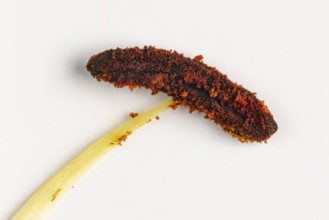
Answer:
(191, 83)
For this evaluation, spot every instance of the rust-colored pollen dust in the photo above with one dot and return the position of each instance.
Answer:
(192, 84)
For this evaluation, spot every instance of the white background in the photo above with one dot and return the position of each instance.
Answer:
(182, 166)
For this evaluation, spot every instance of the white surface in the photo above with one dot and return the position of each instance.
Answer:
(181, 167)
